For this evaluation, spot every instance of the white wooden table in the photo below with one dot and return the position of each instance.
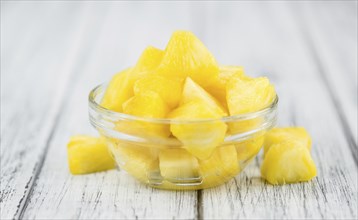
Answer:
(53, 53)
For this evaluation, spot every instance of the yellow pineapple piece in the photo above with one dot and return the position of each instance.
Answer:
(242, 126)
(88, 154)
(186, 56)
(169, 89)
(218, 87)
(139, 161)
(118, 91)
(178, 166)
(248, 95)
(148, 61)
(193, 91)
(288, 162)
(248, 149)
(220, 167)
(120, 88)
(148, 105)
(278, 135)
(200, 139)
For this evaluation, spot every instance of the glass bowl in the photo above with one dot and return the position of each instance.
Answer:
(207, 152)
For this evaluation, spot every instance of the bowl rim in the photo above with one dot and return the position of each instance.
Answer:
(122, 116)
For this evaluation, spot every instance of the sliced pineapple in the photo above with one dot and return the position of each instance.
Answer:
(120, 88)
(185, 55)
(220, 167)
(178, 166)
(200, 139)
(147, 63)
(118, 91)
(148, 105)
(88, 154)
(288, 162)
(139, 161)
(218, 87)
(169, 89)
(248, 95)
(193, 91)
(278, 135)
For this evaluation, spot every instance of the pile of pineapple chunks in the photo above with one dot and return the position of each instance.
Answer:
(184, 82)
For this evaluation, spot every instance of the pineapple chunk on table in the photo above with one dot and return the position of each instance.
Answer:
(186, 56)
(288, 162)
(88, 154)
(278, 135)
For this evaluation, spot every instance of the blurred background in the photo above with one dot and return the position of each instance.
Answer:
(50, 47)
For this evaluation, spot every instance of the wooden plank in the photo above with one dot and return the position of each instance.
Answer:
(267, 41)
(32, 93)
(114, 194)
(334, 43)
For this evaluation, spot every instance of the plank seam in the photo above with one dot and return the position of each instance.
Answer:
(38, 168)
(199, 205)
(24, 201)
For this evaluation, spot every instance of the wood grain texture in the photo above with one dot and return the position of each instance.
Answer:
(286, 58)
(32, 95)
(108, 195)
(72, 46)
(334, 44)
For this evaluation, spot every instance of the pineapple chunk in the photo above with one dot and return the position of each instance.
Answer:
(169, 89)
(149, 105)
(178, 166)
(248, 95)
(220, 167)
(288, 162)
(218, 87)
(88, 154)
(248, 149)
(138, 161)
(148, 61)
(200, 139)
(245, 95)
(120, 88)
(278, 135)
(185, 55)
(193, 91)
(118, 91)
(242, 126)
